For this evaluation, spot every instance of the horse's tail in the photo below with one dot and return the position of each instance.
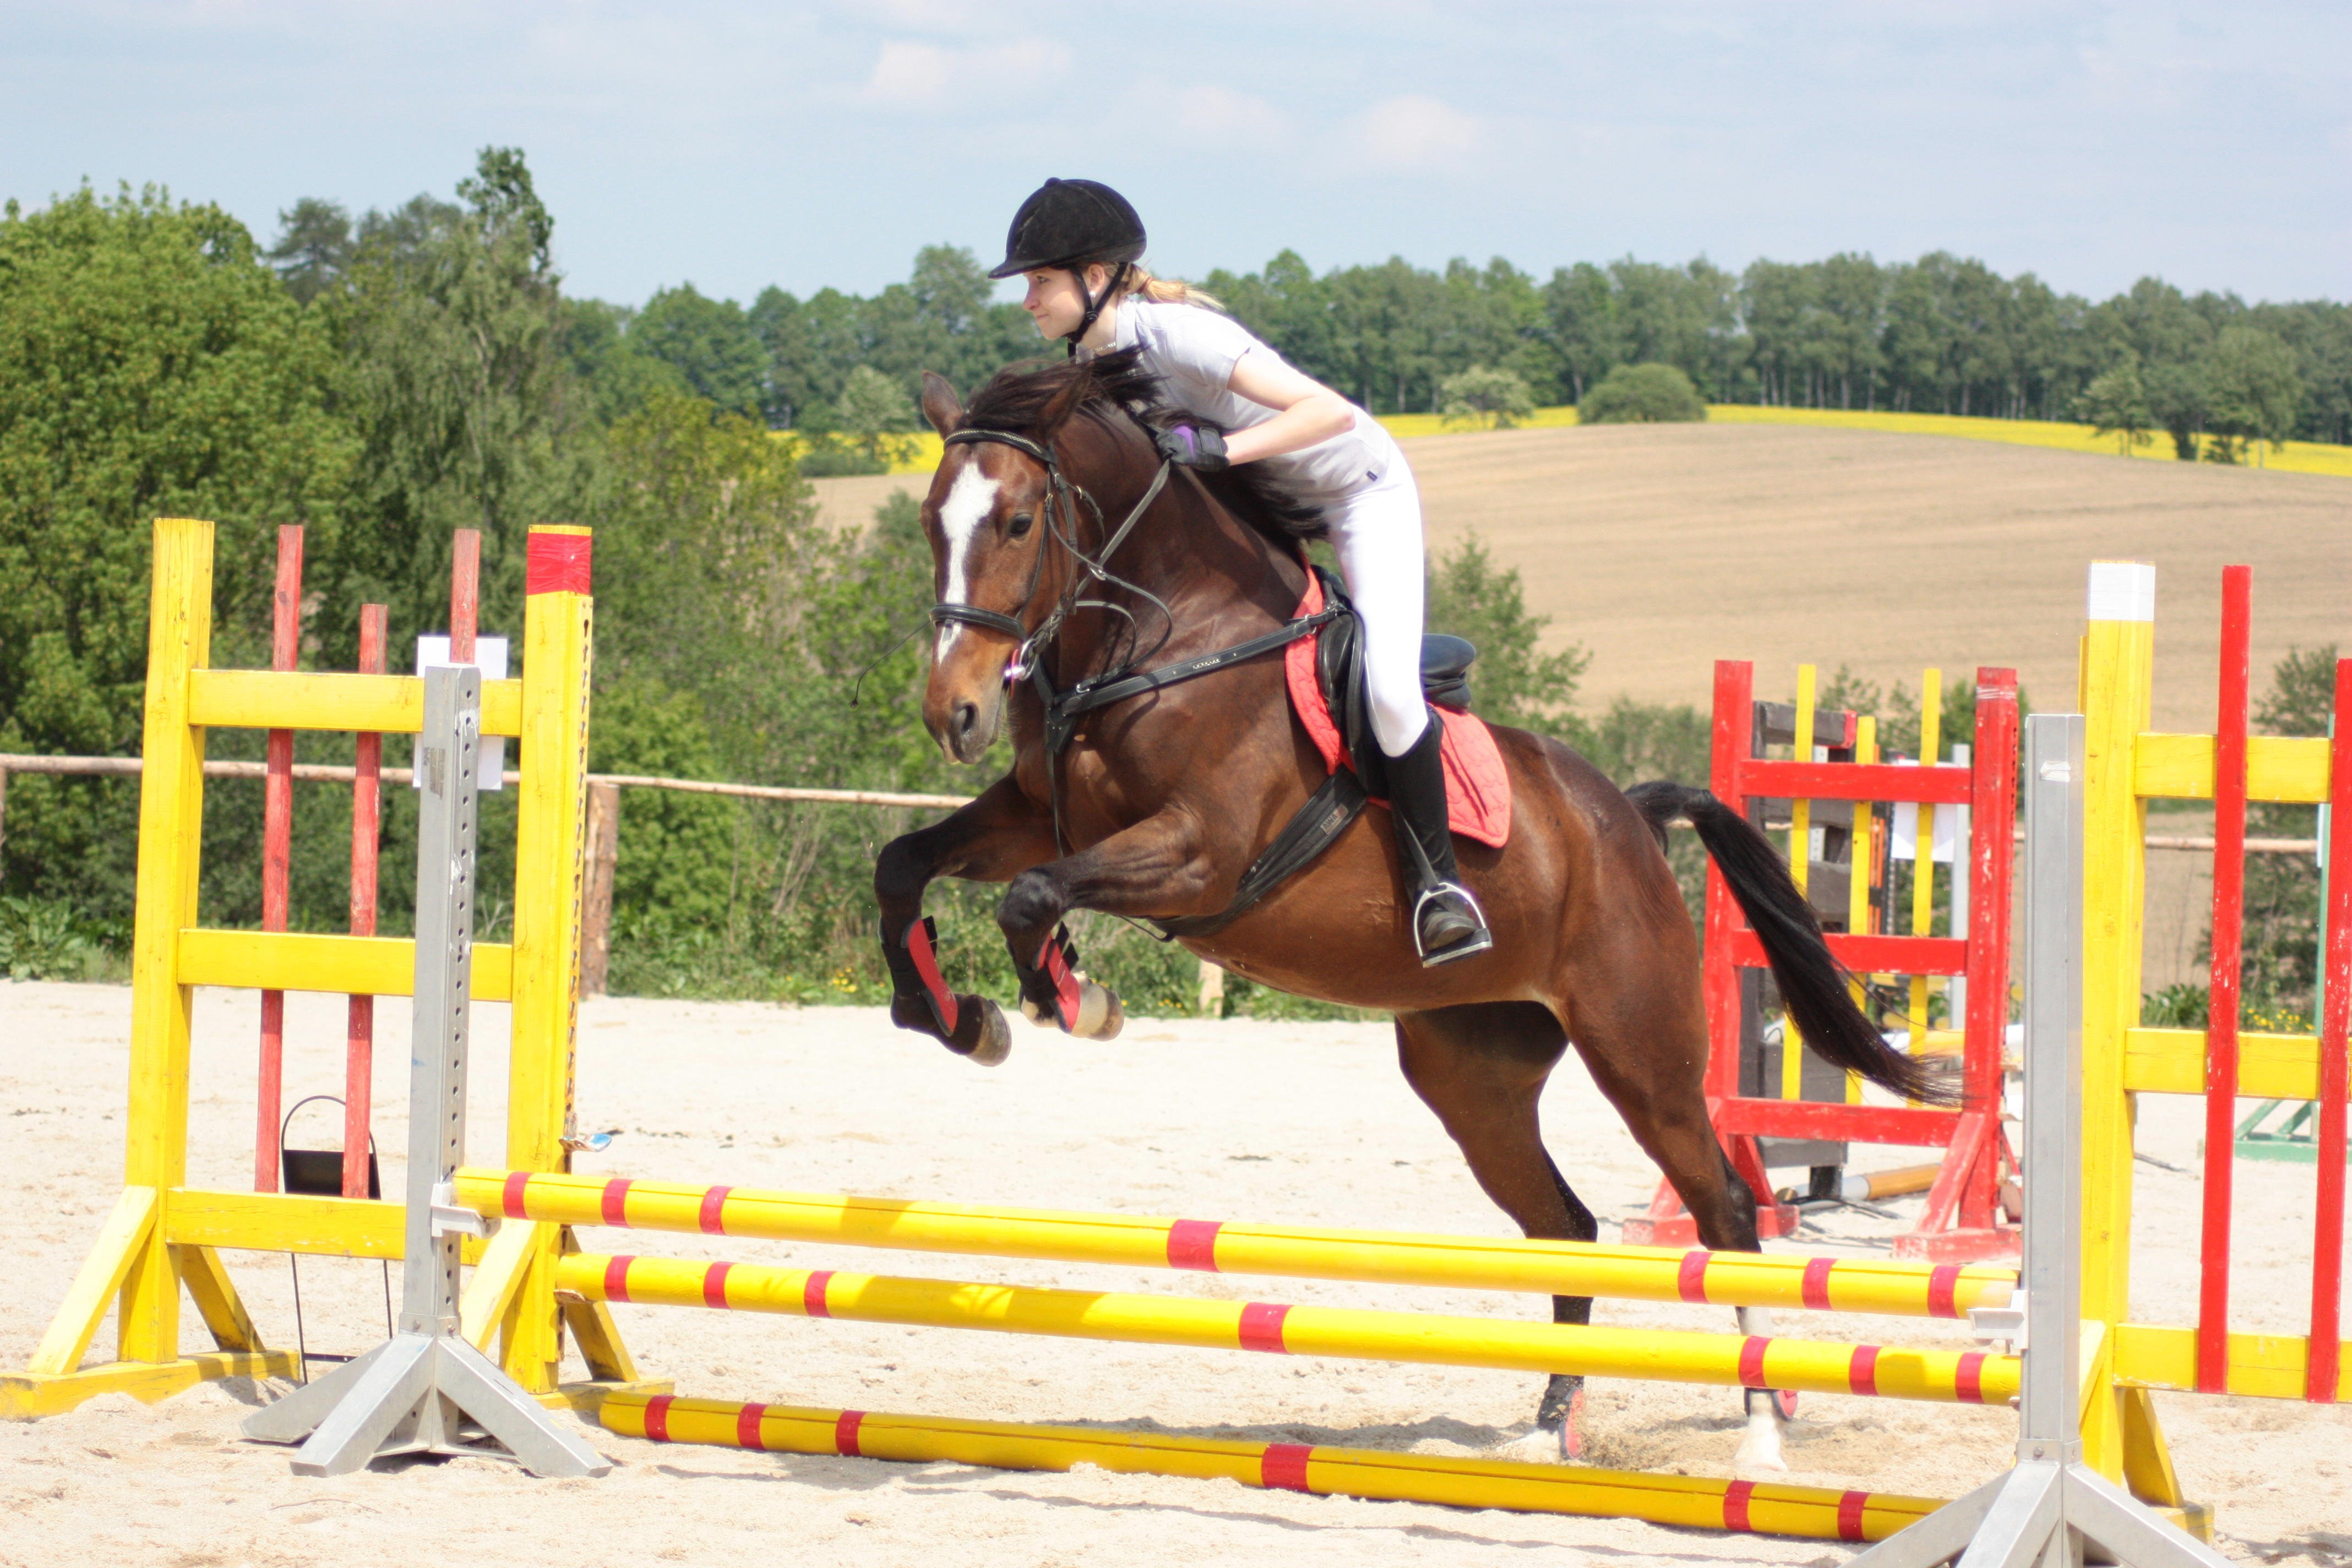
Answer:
(1813, 984)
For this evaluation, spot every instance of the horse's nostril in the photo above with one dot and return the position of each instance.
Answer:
(967, 715)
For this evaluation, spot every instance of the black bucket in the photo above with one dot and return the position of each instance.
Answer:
(319, 1173)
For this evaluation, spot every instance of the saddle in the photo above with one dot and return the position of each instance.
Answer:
(1326, 677)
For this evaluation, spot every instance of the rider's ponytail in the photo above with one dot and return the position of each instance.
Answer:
(1165, 290)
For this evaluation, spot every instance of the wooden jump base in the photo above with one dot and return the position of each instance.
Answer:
(1732, 1361)
(1813, 1513)
(1465, 1263)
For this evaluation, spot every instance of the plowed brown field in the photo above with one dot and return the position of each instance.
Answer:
(1662, 548)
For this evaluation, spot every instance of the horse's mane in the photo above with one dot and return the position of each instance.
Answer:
(1015, 400)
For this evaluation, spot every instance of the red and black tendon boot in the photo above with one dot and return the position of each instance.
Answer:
(1052, 991)
(919, 998)
(1560, 1420)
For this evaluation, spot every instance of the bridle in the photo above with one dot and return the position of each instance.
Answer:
(1061, 520)
(1065, 706)
(1062, 500)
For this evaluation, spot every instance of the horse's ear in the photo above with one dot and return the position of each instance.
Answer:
(941, 407)
(1065, 402)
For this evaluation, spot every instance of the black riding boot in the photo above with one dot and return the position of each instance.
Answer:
(1446, 922)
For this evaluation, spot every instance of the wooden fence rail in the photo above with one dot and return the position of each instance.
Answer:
(604, 825)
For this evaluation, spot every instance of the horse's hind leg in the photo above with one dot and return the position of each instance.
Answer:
(1644, 1041)
(1482, 1070)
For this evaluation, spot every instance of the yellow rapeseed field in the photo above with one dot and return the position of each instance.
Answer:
(2292, 457)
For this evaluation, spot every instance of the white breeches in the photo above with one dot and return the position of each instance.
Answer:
(1377, 533)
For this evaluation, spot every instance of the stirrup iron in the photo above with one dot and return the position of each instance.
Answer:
(1478, 942)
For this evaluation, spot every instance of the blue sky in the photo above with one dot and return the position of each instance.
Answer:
(814, 143)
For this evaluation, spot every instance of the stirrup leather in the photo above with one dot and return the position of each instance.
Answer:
(1477, 942)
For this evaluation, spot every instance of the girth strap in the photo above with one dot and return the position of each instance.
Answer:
(1311, 830)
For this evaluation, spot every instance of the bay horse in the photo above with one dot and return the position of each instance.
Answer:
(1153, 807)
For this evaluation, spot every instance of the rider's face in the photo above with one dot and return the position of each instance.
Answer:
(1054, 302)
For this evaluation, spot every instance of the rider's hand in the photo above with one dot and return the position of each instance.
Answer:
(1192, 446)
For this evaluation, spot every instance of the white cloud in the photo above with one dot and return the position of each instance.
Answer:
(924, 16)
(1222, 117)
(1416, 133)
(911, 74)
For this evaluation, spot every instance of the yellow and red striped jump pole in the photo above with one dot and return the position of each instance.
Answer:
(1467, 1263)
(1736, 1360)
(1692, 1501)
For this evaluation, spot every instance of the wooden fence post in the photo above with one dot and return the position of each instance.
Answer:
(596, 914)
(1213, 991)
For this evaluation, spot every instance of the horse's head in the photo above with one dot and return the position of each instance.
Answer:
(993, 576)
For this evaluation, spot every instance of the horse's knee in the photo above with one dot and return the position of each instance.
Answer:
(1030, 903)
(902, 870)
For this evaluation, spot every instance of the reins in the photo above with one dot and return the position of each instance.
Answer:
(1064, 708)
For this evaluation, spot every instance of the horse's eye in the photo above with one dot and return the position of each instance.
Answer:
(1021, 522)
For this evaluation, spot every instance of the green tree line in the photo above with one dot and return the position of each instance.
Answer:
(1941, 334)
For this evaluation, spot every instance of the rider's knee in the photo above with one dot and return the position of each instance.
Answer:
(1398, 722)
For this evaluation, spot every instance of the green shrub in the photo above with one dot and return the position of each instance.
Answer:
(47, 939)
(1642, 395)
(1491, 399)
(2179, 1006)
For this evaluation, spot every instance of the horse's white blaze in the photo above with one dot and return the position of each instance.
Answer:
(970, 500)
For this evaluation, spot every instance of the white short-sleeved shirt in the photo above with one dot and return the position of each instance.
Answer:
(1194, 349)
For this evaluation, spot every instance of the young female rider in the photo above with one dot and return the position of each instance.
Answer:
(1078, 242)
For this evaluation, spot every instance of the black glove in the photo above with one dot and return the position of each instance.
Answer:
(1192, 446)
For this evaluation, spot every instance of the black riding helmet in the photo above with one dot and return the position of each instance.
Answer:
(1073, 224)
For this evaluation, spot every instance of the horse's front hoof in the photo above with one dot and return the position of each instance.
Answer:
(995, 1038)
(1101, 1017)
(1558, 1434)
